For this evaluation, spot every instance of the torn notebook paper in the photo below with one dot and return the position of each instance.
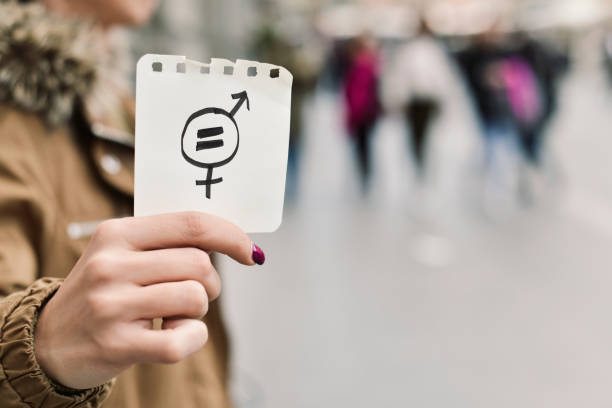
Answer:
(212, 138)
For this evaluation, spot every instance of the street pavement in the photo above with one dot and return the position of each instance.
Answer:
(430, 295)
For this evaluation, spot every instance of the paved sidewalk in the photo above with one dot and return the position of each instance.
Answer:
(414, 298)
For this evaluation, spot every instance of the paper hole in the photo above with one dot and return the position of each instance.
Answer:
(180, 68)
(228, 70)
(252, 71)
(274, 73)
(205, 70)
(157, 67)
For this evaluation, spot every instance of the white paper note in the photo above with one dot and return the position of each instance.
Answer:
(212, 138)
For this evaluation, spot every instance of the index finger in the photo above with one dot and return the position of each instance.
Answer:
(189, 229)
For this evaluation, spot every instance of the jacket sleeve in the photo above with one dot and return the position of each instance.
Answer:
(23, 224)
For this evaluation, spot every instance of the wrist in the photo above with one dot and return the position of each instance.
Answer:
(24, 374)
(42, 346)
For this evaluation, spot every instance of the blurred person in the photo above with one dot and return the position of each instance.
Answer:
(482, 64)
(269, 46)
(513, 87)
(416, 85)
(548, 66)
(82, 299)
(362, 102)
(336, 64)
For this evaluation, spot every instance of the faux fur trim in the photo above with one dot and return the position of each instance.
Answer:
(47, 63)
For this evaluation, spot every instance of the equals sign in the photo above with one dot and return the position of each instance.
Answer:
(209, 144)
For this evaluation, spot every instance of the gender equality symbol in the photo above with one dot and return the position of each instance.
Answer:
(206, 151)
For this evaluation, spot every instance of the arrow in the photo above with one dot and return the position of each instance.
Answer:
(242, 97)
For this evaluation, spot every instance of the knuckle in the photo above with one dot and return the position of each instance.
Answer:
(171, 352)
(207, 273)
(94, 303)
(100, 268)
(205, 333)
(194, 225)
(213, 284)
(107, 230)
(200, 259)
(206, 262)
(197, 300)
(215, 291)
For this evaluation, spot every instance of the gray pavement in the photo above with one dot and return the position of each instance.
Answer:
(415, 297)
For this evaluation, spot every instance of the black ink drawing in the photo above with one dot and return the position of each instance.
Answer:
(214, 141)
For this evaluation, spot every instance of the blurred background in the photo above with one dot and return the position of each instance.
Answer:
(447, 238)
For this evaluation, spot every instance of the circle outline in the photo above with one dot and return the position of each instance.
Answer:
(196, 115)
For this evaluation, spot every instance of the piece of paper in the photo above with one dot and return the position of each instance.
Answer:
(212, 138)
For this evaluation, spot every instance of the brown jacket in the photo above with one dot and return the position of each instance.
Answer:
(62, 171)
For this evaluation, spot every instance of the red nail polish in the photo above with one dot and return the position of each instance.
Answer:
(258, 255)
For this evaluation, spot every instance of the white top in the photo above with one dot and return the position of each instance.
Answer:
(421, 68)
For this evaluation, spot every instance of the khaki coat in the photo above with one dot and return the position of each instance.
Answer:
(63, 170)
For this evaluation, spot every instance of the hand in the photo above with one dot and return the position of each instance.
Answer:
(99, 322)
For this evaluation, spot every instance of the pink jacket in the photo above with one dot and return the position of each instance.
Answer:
(361, 90)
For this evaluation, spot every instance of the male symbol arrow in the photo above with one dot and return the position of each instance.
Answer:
(242, 97)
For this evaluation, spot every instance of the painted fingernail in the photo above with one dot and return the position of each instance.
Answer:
(258, 255)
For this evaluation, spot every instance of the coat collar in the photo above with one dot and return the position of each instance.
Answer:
(115, 123)
(56, 68)
(46, 62)
(53, 66)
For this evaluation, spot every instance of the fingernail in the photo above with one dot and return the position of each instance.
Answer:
(258, 255)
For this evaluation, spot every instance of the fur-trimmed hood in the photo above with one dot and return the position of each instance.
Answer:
(47, 63)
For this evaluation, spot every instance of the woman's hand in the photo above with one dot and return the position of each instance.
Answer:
(99, 322)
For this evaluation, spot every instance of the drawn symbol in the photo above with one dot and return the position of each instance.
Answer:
(212, 138)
